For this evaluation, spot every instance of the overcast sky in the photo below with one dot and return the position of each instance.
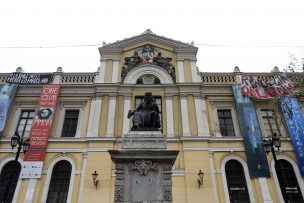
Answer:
(254, 35)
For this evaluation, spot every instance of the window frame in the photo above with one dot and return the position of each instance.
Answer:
(296, 171)
(60, 181)
(281, 128)
(223, 111)
(20, 117)
(18, 186)
(246, 173)
(233, 117)
(65, 120)
(49, 173)
(70, 106)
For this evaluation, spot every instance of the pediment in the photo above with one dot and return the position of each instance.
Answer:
(148, 35)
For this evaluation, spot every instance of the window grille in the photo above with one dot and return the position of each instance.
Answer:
(225, 122)
(59, 184)
(236, 182)
(70, 123)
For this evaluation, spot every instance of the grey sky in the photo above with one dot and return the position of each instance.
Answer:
(259, 31)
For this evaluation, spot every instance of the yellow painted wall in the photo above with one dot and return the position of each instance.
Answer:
(108, 71)
(192, 116)
(187, 71)
(178, 130)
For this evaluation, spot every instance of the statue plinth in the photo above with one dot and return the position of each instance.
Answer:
(143, 168)
(144, 140)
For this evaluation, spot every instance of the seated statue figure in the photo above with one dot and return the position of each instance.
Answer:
(146, 115)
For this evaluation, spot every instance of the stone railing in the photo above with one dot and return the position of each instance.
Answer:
(3, 77)
(218, 78)
(78, 78)
(229, 78)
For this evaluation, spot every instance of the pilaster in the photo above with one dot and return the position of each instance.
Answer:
(185, 115)
(169, 108)
(94, 118)
(111, 116)
(201, 115)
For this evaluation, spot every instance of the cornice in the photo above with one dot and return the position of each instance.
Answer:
(118, 46)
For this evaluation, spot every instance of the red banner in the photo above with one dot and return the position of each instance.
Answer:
(42, 123)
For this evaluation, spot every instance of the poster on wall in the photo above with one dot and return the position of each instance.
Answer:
(29, 78)
(41, 127)
(261, 89)
(7, 94)
(294, 119)
(250, 128)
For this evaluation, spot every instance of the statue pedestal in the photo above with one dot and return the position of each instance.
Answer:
(143, 168)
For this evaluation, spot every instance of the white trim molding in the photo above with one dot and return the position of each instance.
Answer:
(148, 69)
(94, 117)
(180, 70)
(49, 176)
(2, 164)
(296, 171)
(246, 172)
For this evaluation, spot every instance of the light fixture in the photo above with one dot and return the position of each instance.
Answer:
(95, 181)
(200, 179)
(15, 140)
(26, 145)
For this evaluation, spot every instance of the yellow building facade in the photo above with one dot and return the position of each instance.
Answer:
(193, 105)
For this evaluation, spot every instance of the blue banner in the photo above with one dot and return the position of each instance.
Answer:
(294, 119)
(251, 132)
(7, 94)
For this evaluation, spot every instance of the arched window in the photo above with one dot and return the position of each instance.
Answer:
(60, 181)
(236, 182)
(10, 172)
(288, 182)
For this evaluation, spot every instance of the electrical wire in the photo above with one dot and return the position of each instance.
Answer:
(196, 44)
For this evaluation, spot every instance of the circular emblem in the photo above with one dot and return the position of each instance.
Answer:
(44, 113)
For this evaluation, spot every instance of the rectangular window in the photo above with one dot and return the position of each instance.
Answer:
(270, 124)
(25, 123)
(225, 122)
(70, 123)
(157, 99)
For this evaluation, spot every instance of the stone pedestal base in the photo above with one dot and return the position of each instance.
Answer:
(143, 168)
(143, 176)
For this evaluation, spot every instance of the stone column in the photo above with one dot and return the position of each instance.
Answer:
(214, 182)
(102, 70)
(111, 116)
(194, 71)
(127, 107)
(93, 126)
(201, 115)
(180, 68)
(185, 115)
(265, 190)
(115, 71)
(170, 123)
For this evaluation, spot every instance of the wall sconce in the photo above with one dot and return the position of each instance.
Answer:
(200, 179)
(95, 181)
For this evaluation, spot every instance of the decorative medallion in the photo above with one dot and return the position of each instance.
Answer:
(143, 167)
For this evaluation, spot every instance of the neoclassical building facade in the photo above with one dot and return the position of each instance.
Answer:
(199, 118)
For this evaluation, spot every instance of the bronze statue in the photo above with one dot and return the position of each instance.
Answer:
(146, 115)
